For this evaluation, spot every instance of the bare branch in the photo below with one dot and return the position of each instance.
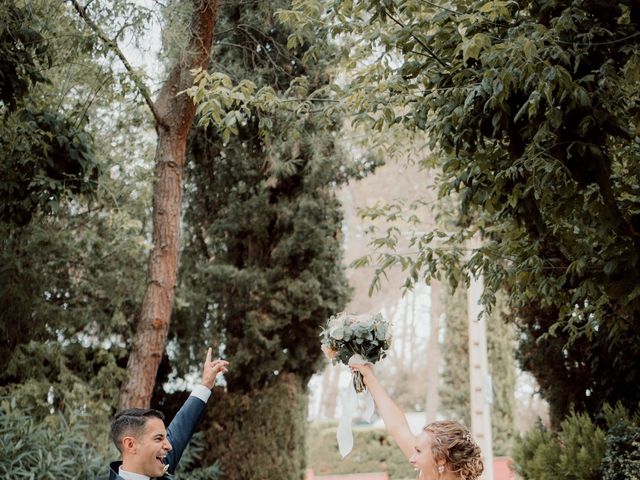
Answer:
(122, 30)
(113, 46)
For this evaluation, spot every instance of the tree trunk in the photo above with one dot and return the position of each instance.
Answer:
(174, 116)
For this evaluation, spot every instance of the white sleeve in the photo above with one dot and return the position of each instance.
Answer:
(201, 392)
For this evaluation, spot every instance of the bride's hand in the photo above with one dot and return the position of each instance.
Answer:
(365, 369)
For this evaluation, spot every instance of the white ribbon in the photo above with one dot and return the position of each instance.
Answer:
(349, 403)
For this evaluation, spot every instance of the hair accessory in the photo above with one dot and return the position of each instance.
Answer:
(441, 469)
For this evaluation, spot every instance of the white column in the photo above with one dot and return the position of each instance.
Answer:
(479, 379)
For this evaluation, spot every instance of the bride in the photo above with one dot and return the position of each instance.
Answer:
(444, 450)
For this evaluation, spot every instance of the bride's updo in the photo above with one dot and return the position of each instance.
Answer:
(453, 443)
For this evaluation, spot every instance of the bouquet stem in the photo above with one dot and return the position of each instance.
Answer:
(358, 382)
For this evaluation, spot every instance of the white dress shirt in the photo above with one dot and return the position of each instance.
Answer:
(131, 476)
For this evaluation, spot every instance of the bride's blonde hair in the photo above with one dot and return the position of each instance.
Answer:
(452, 442)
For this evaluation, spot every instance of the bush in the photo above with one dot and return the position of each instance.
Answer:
(582, 449)
(267, 426)
(189, 467)
(622, 460)
(373, 451)
(57, 447)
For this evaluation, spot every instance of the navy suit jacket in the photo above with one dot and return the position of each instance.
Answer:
(179, 433)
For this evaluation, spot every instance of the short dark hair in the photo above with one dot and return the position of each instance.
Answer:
(131, 422)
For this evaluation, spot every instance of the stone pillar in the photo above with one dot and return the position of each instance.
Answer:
(479, 378)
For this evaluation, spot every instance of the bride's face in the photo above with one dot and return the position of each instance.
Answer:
(422, 458)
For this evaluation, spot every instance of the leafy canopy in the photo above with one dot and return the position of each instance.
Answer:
(531, 112)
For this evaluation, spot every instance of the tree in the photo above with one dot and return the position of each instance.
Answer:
(261, 267)
(173, 115)
(531, 110)
(455, 390)
(501, 343)
(502, 368)
(71, 248)
(48, 155)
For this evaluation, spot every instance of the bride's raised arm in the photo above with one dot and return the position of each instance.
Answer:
(393, 418)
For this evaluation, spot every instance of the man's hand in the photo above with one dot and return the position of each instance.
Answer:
(211, 370)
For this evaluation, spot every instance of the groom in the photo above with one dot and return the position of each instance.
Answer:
(147, 449)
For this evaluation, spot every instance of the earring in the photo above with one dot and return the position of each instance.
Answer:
(440, 469)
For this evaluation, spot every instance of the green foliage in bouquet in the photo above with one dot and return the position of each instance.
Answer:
(347, 335)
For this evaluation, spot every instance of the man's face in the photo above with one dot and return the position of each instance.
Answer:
(150, 449)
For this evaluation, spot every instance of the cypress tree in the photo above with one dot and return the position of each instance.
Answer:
(455, 393)
(455, 376)
(502, 367)
(261, 265)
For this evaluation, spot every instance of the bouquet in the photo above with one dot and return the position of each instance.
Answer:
(347, 335)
